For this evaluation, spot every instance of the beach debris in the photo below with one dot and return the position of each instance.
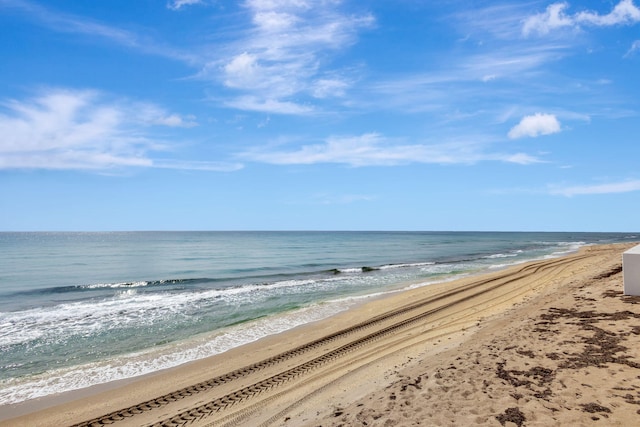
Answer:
(513, 415)
(541, 375)
(602, 347)
(594, 408)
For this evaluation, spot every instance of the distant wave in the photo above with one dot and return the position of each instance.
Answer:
(246, 282)
(409, 265)
(139, 284)
(115, 285)
(366, 269)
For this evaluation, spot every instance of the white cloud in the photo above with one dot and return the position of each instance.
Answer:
(550, 19)
(635, 46)
(57, 120)
(284, 54)
(521, 159)
(83, 129)
(242, 71)
(326, 88)
(174, 120)
(150, 114)
(624, 12)
(252, 103)
(271, 21)
(372, 149)
(554, 17)
(535, 125)
(274, 4)
(179, 4)
(610, 188)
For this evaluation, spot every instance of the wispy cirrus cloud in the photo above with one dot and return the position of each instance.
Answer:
(608, 188)
(69, 23)
(555, 17)
(635, 47)
(491, 60)
(373, 149)
(494, 63)
(505, 62)
(283, 55)
(73, 24)
(179, 4)
(86, 129)
(255, 103)
(494, 21)
(474, 92)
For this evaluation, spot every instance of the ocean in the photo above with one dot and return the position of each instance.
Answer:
(80, 309)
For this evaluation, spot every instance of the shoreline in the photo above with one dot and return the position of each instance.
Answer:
(39, 403)
(113, 396)
(317, 311)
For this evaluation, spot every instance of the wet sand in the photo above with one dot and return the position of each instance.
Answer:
(551, 342)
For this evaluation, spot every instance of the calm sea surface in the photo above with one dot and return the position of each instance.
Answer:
(78, 309)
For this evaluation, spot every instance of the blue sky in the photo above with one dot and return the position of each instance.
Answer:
(319, 115)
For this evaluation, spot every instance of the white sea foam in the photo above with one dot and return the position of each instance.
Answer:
(410, 265)
(89, 316)
(116, 285)
(67, 379)
(568, 247)
(358, 270)
(350, 270)
(127, 307)
(508, 255)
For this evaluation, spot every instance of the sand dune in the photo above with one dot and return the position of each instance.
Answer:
(551, 342)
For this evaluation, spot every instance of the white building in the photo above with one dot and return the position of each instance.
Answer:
(631, 271)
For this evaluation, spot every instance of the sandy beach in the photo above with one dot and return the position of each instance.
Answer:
(551, 342)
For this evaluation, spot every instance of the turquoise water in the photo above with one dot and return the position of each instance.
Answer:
(78, 309)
